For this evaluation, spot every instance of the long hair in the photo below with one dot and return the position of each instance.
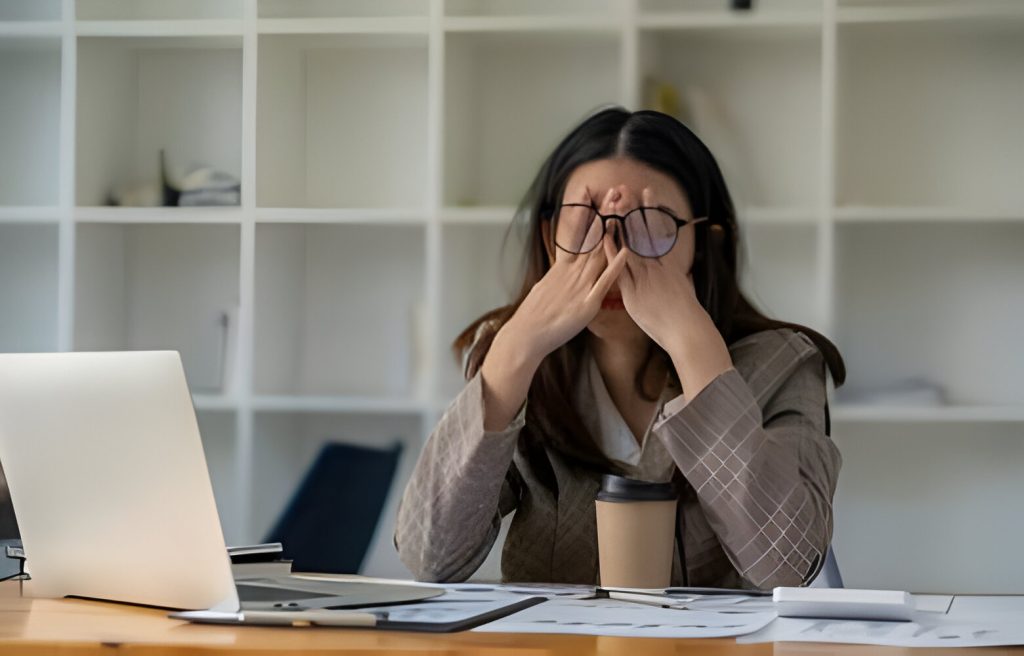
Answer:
(665, 144)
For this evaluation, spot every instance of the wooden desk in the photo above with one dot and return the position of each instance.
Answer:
(72, 626)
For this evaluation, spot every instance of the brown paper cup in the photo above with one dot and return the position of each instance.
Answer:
(636, 523)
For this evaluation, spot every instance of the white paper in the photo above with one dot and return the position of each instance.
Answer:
(933, 603)
(979, 607)
(609, 617)
(970, 622)
(929, 630)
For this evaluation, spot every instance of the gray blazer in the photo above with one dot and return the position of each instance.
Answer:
(757, 473)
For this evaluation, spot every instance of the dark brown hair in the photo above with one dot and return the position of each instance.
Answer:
(665, 144)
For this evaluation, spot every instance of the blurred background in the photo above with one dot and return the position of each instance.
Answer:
(309, 199)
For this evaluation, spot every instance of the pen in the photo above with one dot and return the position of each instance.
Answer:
(649, 599)
(314, 617)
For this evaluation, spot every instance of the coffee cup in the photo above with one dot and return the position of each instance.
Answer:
(636, 522)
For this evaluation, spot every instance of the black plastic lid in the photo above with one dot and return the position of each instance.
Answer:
(620, 488)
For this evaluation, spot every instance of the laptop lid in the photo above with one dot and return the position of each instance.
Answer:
(109, 481)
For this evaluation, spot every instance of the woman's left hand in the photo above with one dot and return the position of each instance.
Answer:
(659, 295)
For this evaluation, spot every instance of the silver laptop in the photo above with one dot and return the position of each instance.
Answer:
(109, 483)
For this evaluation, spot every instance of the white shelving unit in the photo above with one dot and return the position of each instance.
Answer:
(873, 148)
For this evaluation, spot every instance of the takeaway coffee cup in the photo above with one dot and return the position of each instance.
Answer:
(636, 523)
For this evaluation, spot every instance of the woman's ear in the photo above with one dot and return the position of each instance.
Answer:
(717, 236)
(714, 242)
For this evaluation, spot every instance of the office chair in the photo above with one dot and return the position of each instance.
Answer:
(331, 519)
(829, 576)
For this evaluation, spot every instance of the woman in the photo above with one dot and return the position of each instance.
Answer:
(630, 350)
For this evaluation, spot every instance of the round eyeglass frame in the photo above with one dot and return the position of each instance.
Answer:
(680, 223)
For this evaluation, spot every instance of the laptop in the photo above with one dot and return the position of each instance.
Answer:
(109, 483)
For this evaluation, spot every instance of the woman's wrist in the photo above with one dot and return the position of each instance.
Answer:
(519, 345)
(506, 375)
(699, 355)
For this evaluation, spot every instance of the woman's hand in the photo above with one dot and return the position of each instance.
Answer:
(566, 299)
(557, 308)
(659, 295)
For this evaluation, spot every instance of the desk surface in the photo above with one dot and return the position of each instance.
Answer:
(72, 626)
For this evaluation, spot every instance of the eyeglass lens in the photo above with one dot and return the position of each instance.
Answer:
(648, 232)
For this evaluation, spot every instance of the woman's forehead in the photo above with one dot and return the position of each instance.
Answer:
(597, 177)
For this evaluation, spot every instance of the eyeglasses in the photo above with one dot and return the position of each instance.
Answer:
(649, 231)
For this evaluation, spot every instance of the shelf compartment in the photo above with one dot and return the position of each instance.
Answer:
(284, 447)
(940, 305)
(480, 272)
(143, 287)
(925, 107)
(137, 96)
(28, 288)
(218, 430)
(496, 137)
(932, 490)
(29, 120)
(317, 94)
(779, 271)
(754, 97)
(338, 310)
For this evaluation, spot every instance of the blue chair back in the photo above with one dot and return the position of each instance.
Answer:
(331, 519)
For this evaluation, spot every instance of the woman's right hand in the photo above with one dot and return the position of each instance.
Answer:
(556, 309)
(565, 300)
